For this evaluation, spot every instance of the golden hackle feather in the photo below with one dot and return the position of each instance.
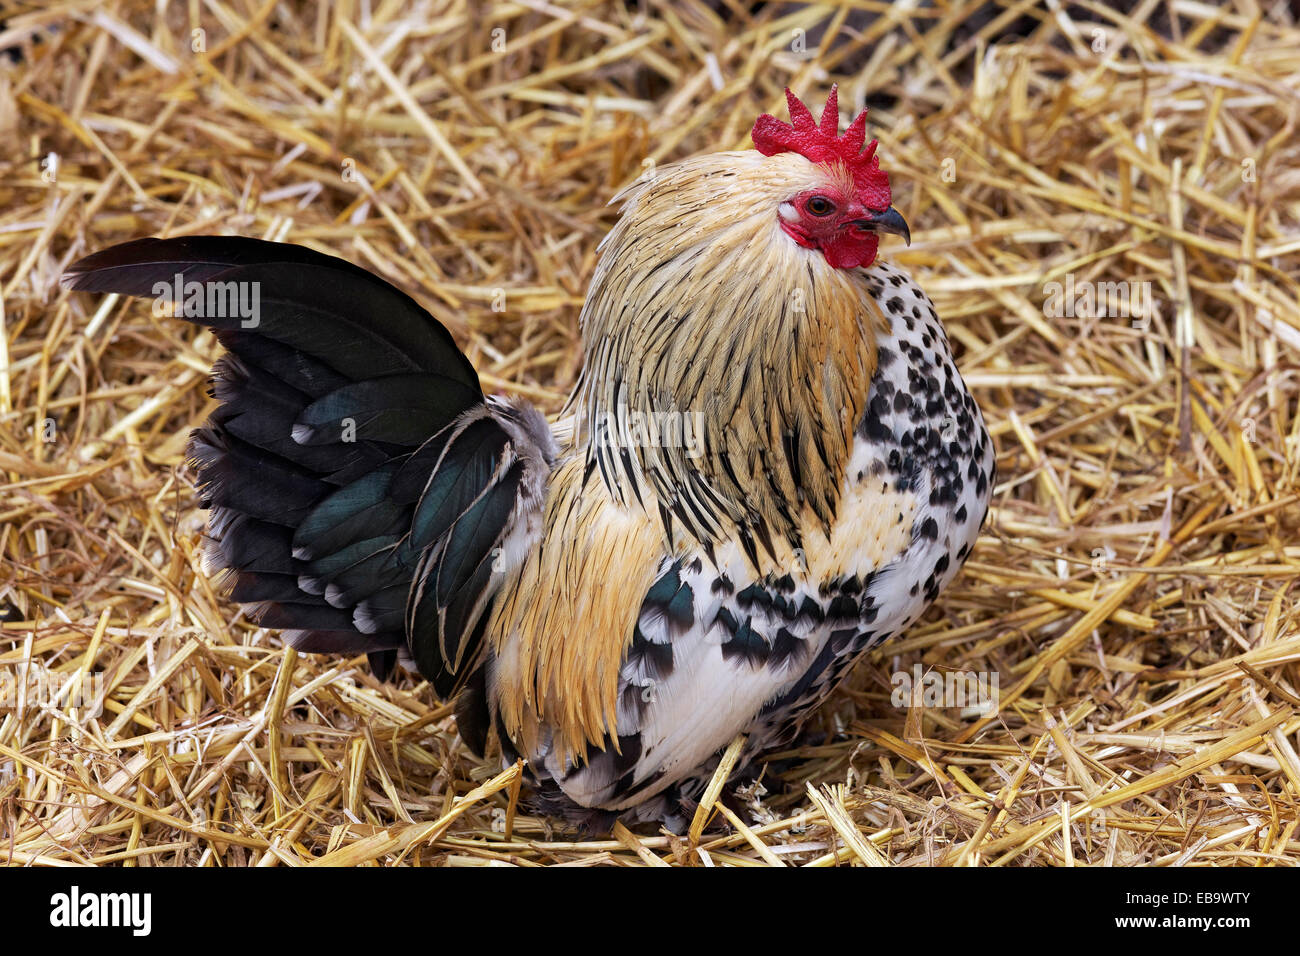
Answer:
(702, 308)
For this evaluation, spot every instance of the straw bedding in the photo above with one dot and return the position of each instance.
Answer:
(1133, 590)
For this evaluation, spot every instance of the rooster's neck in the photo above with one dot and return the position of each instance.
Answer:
(726, 367)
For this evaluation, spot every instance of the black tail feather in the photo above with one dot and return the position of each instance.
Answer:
(352, 449)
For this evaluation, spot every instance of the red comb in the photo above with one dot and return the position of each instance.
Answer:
(821, 143)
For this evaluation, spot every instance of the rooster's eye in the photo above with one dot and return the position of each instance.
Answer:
(820, 206)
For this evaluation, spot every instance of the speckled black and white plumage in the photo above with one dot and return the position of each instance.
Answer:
(713, 646)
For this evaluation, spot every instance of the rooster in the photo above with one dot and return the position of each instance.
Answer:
(769, 464)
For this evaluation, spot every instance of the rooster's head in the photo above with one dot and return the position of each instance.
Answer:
(845, 205)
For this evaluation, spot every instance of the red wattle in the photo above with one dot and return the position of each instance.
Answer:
(850, 253)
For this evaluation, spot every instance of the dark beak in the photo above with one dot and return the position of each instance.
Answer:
(890, 220)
